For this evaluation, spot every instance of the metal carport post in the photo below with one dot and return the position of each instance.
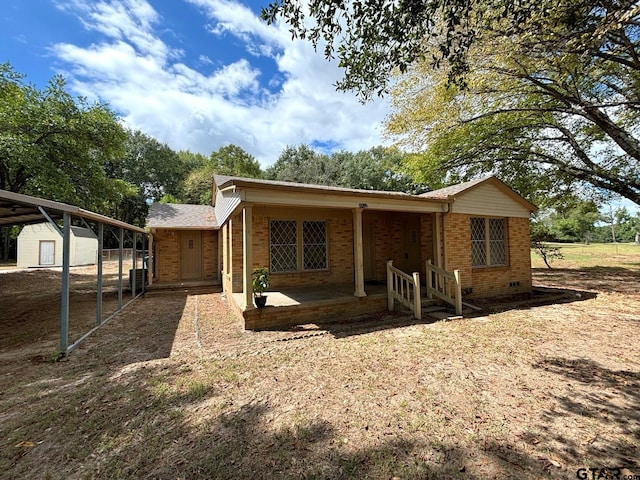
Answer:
(18, 209)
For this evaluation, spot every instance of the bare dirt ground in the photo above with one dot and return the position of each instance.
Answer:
(173, 388)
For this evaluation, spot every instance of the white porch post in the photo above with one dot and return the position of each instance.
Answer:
(247, 255)
(151, 258)
(358, 258)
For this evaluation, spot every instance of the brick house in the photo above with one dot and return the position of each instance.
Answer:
(184, 244)
(327, 248)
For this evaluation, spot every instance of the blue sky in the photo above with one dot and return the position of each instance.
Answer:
(196, 74)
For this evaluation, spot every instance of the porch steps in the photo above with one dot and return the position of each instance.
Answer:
(444, 315)
(433, 309)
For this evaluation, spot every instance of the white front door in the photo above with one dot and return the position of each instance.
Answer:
(47, 252)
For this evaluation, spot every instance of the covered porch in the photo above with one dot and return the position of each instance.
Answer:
(289, 306)
(356, 245)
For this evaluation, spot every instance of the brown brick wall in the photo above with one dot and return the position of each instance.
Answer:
(489, 281)
(167, 258)
(235, 269)
(426, 243)
(340, 248)
(457, 248)
(210, 254)
(319, 312)
(387, 238)
(494, 281)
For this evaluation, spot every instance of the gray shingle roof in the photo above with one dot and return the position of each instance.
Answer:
(453, 190)
(177, 215)
(224, 180)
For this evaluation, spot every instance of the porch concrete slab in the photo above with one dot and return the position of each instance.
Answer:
(291, 296)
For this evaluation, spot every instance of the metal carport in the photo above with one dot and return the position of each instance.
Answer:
(19, 209)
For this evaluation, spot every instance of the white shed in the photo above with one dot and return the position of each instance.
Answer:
(40, 245)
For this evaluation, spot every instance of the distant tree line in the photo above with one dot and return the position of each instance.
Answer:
(67, 149)
(584, 221)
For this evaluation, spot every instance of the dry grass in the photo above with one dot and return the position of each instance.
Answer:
(172, 388)
(579, 255)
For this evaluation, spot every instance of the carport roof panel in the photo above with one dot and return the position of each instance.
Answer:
(17, 209)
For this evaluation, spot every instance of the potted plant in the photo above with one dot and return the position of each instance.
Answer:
(260, 284)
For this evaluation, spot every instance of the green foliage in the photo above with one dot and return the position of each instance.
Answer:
(260, 281)
(378, 168)
(375, 39)
(228, 160)
(540, 236)
(168, 198)
(301, 164)
(191, 160)
(197, 186)
(576, 224)
(625, 227)
(545, 113)
(543, 93)
(54, 145)
(233, 160)
(150, 165)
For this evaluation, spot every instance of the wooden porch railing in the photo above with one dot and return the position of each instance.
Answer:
(444, 285)
(404, 288)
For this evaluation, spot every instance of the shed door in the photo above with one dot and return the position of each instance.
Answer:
(47, 252)
(190, 255)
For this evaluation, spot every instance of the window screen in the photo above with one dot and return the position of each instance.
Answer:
(283, 245)
(314, 245)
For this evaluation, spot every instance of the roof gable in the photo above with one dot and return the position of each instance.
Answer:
(484, 185)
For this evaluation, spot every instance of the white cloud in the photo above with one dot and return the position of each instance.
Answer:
(150, 82)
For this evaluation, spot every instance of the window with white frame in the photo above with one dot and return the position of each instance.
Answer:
(488, 242)
(297, 245)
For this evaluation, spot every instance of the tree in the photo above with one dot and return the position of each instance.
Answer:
(552, 84)
(546, 120)
(228, 160)
(626, 225)
(540, 238)
(575, 223)
(379, 168)
(372, 38)
(150, 165)
(375, 38)
(622, 227)
(301, 164)
(233, 160)
(198, 185)
(54, 145)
